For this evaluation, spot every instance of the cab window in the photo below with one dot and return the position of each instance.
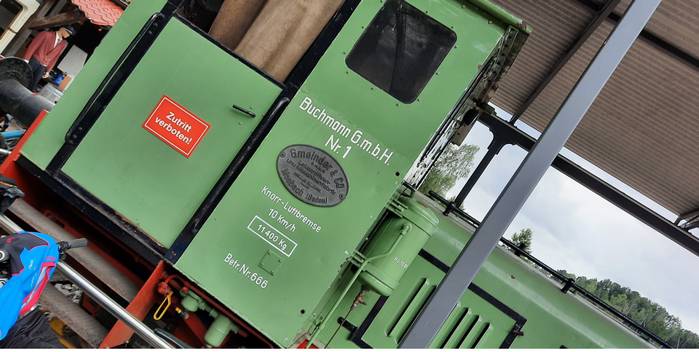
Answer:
(401, 50)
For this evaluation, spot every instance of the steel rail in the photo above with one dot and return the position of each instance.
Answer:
(100, 297)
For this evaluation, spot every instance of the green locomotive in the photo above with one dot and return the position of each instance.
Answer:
(276, 187)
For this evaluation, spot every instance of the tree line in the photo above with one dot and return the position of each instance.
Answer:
(642, 310)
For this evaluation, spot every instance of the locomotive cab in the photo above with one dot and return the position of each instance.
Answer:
(319, 181)
(263, 186)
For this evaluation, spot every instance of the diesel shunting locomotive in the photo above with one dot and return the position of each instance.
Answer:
(260, 158)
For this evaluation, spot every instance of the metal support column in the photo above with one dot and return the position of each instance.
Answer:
(493, 149)
(525, 179)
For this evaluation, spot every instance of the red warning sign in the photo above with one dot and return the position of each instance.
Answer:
(176, 126)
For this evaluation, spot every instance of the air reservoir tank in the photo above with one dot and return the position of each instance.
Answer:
(416, 224)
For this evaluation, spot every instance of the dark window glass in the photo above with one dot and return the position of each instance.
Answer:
(401, 50)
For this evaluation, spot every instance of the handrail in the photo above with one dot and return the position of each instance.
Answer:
(100, 297)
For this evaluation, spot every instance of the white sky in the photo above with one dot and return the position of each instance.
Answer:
(577, 230)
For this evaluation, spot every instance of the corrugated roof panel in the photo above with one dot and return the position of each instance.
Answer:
(675, 21)
(542, 49)
(642, 128)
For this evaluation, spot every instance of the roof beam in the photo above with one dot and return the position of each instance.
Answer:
(602, 14)
(691, 220)
(688, 215)
(691, 224)
(61, 19)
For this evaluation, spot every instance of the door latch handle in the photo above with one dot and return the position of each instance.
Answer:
(244, 111)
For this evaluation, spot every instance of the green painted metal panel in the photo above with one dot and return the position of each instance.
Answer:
(50, 134)
(226, 256)
(464, 327)
(475, 322)
(553, 318)
(141, 177)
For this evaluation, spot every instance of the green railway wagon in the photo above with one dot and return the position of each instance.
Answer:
(280, 194)
(509, 304)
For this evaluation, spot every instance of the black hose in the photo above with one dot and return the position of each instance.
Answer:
(76, 243)
(20, 102)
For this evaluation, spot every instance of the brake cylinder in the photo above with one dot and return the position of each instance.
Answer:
(404, 232)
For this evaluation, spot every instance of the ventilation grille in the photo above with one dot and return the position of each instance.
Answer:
(463, 329)
(410, 309)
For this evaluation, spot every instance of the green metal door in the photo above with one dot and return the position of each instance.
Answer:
(144, 179)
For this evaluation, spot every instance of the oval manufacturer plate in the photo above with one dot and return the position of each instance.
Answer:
(312, 175)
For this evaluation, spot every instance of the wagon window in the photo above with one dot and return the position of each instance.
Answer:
(401, 50)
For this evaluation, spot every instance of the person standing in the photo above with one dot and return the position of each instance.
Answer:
(43, 52)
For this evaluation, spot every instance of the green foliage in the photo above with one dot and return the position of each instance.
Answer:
(523, 240)
(642, 310)
(454, 163)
